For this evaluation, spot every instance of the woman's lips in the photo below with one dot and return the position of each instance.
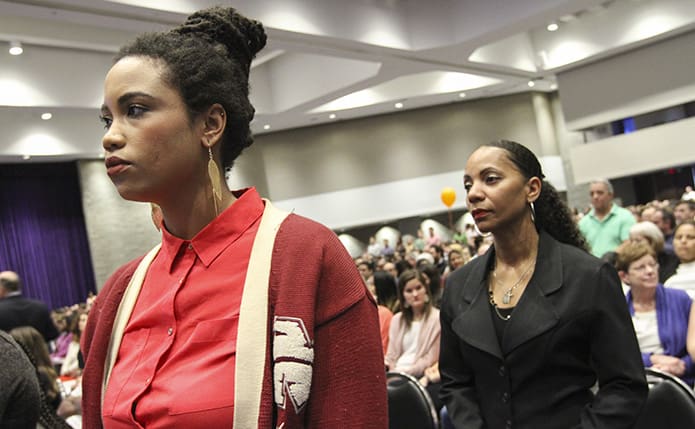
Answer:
(479, 213)
(115, 165)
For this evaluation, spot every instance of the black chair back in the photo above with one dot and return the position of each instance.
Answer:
(670, 404)
(410, 406)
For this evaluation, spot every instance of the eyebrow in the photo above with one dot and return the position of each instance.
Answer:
(485, 170)
(125, 99)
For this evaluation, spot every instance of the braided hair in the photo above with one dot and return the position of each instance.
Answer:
(208, 60)
(551, 212)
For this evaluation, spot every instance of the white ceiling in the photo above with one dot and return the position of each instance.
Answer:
(326, 60)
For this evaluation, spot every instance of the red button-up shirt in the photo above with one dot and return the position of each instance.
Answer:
(175, 366)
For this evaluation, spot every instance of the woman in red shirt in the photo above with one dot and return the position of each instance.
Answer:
(245, 315)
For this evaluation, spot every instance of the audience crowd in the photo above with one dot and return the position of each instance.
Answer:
(662, 233)
(652, 247)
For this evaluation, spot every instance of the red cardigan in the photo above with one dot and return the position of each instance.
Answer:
(313, 281)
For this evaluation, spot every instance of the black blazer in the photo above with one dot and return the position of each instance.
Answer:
(18, 311)
(570, 328)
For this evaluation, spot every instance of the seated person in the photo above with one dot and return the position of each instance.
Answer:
(386, 290)
(652, 235)
(19, 388)
(659, 315)
(415, 331)
(71, 367)
(34, 346)
(62, 343)
(684, 247)
(432, 382)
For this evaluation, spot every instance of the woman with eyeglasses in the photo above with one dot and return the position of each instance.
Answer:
(659, 314)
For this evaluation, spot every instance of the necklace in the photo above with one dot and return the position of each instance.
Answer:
(509, 293)
(497, 310)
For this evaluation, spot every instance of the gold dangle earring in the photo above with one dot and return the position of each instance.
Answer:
(215, 181)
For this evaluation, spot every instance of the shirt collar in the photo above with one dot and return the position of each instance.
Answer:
(221, 232)
(614, 207)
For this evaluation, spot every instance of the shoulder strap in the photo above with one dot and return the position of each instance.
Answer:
(252, 334)
(253, 319)
(125, 309)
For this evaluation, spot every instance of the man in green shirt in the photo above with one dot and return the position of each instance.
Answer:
(606, 225)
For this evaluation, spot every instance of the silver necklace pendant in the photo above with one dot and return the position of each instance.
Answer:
(507, 298)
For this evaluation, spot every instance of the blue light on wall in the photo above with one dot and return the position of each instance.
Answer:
(629, 125)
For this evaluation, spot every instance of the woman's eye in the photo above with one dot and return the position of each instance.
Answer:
(106, 121)
(467, 186)
(491, 179)
(135, 110)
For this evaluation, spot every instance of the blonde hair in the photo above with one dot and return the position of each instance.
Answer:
(629, 252)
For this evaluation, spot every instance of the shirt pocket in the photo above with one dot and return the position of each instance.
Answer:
(209, 374)
(209, 331)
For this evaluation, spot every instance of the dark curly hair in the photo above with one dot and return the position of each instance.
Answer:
(208, 60)
(551, 213)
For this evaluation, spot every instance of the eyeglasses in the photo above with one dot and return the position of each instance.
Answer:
(641, 268)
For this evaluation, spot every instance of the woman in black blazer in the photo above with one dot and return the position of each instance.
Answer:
(531, 326)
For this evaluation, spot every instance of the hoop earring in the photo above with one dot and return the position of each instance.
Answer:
(215, 182)
(533, 212)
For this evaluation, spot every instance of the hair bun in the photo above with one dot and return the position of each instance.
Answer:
(243, 37)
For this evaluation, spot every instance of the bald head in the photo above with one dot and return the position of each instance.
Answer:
(9, 282)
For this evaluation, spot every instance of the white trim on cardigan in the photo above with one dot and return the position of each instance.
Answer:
(125, 309)
(253, 320)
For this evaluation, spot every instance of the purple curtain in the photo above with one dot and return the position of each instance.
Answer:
(42, 232)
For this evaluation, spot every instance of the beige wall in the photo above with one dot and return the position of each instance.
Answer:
(389, 148)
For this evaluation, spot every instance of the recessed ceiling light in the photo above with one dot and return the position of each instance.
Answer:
(552, 26)
(16, 48)
(398, 105)
(553, 86)
(266, 126)
(46, 116)
(531, 84)
(25, 157)
(462, 95)
(332, 116)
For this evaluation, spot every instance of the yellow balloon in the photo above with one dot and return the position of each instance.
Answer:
(448, 196)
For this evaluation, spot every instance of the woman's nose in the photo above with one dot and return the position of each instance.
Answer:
(113, 139)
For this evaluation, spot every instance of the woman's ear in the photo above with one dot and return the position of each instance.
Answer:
(215, 121)
(623, 277)
(534, 185)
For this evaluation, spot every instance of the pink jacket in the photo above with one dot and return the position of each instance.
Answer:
(428, 343)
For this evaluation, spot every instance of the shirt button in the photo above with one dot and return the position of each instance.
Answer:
(148, 381)
(170, 331)
(190, 246)
(508, 424)
(505, 397)
(501, 371)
